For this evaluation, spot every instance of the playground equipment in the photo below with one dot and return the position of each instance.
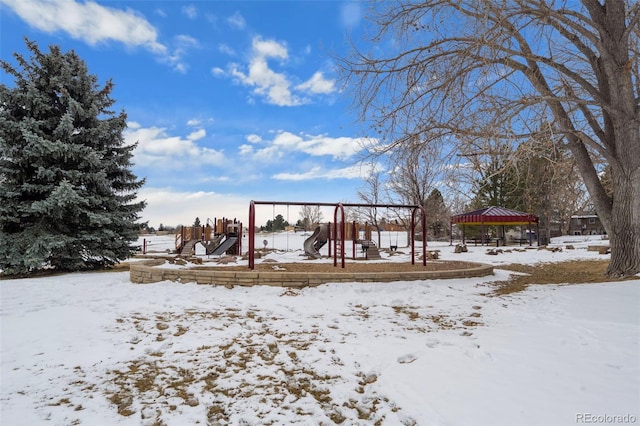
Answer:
(323, 232)
(361, 234)
(223, 237)
(316, 241)
(337, 232)
(150, 270)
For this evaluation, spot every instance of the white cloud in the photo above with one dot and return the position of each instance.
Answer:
(351, 172)
(163, 208)
(340, 148)
(350, 14)
(254, 138)
(181, 67)
(89, 21)
(182, 43)
(266, 155)
(190, 11)
(273, 86)
(226, 49)
(94, 23)
(286, 143)
(216, 71)
(246, 149)
(198, 134)
(237, 21)
(269, 48)
(317, 84)
(159, 149)
(215, 179)
(194, 122)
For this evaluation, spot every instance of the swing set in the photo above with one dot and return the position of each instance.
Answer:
(338, 228)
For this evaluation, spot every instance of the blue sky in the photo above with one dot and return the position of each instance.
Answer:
(229, 101)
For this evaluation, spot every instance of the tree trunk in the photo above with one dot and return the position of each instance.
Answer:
(621, 135)
(625, 222)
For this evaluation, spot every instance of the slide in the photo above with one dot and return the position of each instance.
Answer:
(212, 245)
(226, 245)
(314, 243)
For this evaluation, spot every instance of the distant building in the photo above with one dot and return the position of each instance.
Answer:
(586, 224)
(393, 227)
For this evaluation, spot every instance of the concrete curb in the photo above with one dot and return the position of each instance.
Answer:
(147, 272)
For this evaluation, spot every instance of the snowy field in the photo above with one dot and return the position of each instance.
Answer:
(94, 349)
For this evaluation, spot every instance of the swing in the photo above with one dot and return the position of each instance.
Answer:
(286, 227)
(391, 246)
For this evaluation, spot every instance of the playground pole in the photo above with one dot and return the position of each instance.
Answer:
(340, 208)
(354, 231)
(252, 231)
(423, 223)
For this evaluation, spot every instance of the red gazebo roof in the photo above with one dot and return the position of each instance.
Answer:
(494, 216)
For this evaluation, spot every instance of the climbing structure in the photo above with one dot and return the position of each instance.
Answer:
(221, 238)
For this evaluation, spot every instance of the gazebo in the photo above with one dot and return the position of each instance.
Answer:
(494, 216)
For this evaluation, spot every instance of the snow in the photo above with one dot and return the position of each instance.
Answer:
(94, 349)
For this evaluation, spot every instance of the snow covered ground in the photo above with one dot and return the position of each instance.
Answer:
(94, 349)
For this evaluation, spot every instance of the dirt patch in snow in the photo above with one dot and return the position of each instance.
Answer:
(573, 272)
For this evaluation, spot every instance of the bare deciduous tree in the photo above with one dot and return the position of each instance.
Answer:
(415, 170)
(372, 194)
(310, 216)
(548, 181)
(465, 69)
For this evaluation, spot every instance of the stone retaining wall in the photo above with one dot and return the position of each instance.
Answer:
(147, 272)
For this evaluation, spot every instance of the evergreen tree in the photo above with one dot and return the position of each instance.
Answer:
(437, 214)
(277, 224)
(497, 185)
(67, 194)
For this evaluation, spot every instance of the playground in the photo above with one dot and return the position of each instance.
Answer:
(284, 263)
(212, 254)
